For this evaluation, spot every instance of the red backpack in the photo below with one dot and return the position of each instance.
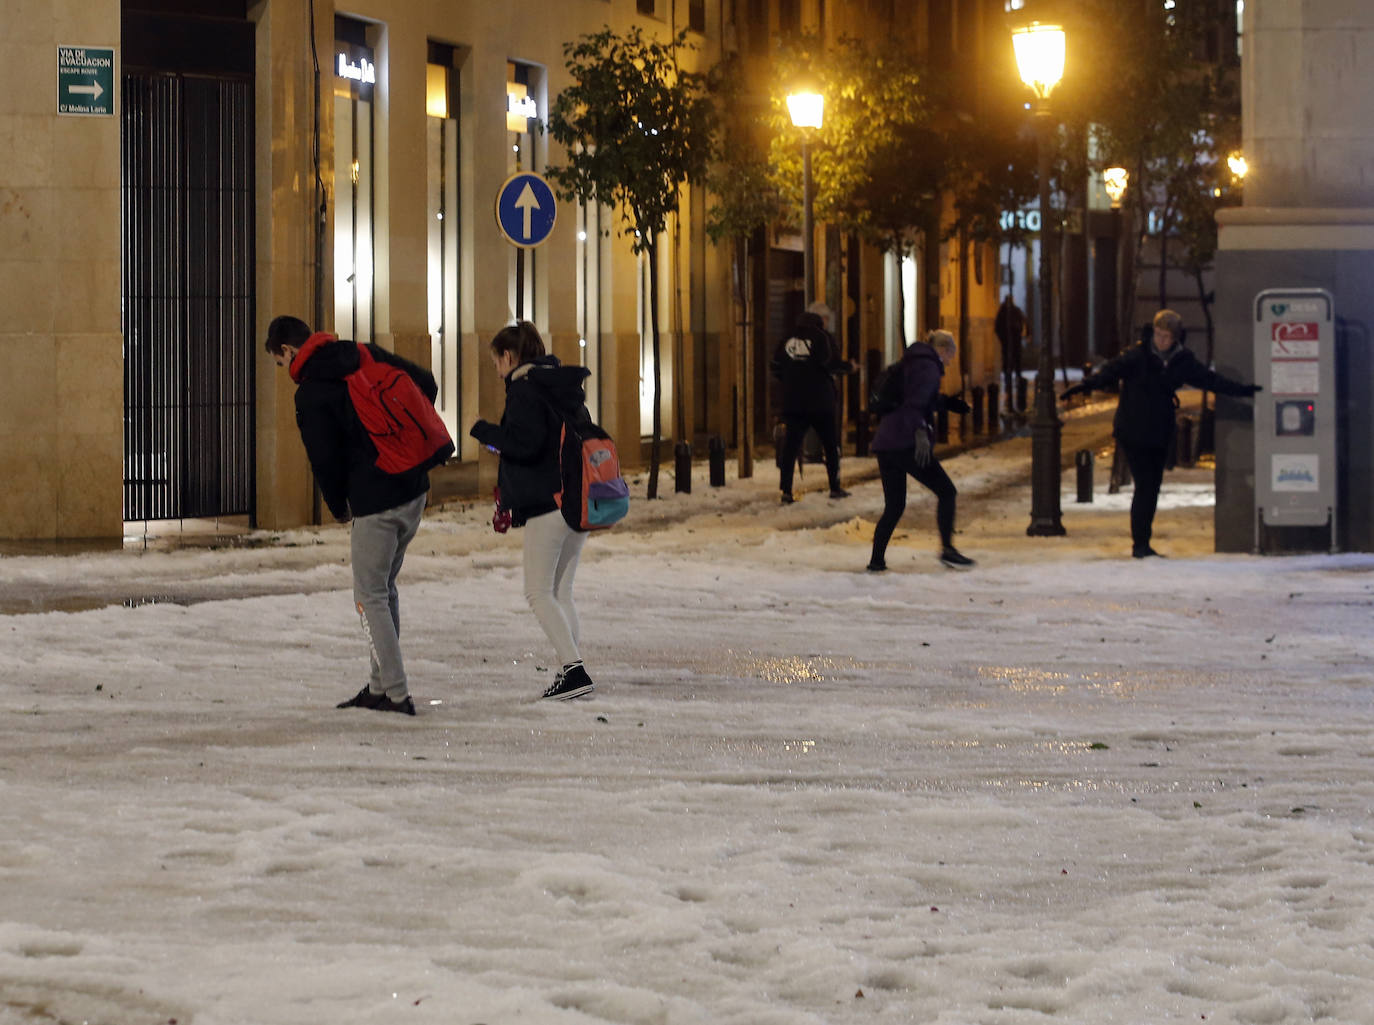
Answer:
(402, 423)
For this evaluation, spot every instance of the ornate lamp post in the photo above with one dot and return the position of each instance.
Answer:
(1040, 61)
(807, 110)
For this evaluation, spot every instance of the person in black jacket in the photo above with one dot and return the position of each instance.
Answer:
(805, 364)
(540, 393)
(1150, 372)
(384, 508)
(905, 446)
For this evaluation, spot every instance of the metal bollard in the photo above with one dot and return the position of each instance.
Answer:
(716, 451)
(1084, 461)
(682, 470)
(862, 433)
(1185, 441)
(977, 403)
(1022, 387)
(994, 410)
(942, 425)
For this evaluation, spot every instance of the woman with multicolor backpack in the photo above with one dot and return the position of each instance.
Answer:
(540, 394)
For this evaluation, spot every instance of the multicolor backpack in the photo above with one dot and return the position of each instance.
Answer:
(594, 494)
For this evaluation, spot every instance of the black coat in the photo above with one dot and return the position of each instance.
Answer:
(805, 363)
(1145, 413)
(340, 450)
(921, 369)
(529, 433)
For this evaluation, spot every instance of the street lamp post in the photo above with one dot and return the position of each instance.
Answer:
(807, 110)
(1114, 180)
(1040, 61)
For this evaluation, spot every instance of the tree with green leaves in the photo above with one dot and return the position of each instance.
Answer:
(635, 127)
(743, 201)
(880, 165)
(1161, 113)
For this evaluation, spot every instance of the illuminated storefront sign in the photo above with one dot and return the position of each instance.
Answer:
(362, 70)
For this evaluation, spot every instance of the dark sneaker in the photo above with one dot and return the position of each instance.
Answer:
(838, 493)
(952, 558)
(366, 698)
(1144, 552)
(877, 566)
(787, 498)
(572, 682)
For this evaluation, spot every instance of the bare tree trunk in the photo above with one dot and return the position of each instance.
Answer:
(1205, 438)
(744, 384)
(680, 389)
(656, 445)
(1164, 258)
(1132, 240)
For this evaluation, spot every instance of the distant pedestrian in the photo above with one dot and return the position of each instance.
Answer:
(540, 393)
(1010, 327)
(905, 446)
(805, 364)
(1150, 372)
(384, 508)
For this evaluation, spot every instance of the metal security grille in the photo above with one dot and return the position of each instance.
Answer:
(187, 289)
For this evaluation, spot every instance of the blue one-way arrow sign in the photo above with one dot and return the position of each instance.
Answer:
(525, 210)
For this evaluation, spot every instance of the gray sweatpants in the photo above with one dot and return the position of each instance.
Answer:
(378, 548)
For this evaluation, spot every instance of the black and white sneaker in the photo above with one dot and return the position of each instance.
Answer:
(366, 698)
(571, 682)
(838, 493)
(877, 566)
(952, 558)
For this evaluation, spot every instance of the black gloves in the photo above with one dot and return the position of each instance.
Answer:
(955, 404)
(1254, 389)
(923, 447)
(1077, 389)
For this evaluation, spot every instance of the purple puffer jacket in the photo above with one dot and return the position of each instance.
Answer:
(921, 373)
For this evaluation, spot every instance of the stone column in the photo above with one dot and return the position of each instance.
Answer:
(1307, 222)
(61, 396)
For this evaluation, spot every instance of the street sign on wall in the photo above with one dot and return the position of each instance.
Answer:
(525, 210)
(1295, 415)
(85, 80)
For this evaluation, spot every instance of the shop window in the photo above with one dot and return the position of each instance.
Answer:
(696, 15)
(789, 18)
(443, 160)
(355, 74)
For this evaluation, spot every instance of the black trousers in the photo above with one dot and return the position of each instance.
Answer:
(894, 468)
(1147, 467)
(824, 426)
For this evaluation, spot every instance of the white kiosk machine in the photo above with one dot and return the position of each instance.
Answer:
(1295, 415)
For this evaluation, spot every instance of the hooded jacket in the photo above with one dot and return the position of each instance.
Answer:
(921, 370)
(340, 450)
(539, 395)
(805, 364)
(1146, 411)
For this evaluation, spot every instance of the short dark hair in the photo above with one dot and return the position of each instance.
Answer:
(521, 338)
(285, 331)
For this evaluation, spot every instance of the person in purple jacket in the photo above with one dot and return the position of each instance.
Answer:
(905, 444)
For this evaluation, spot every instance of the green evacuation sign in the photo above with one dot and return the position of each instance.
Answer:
(85, 80)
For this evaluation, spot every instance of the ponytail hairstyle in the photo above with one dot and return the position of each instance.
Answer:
(522, 339)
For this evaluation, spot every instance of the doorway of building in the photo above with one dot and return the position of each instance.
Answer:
(187, 273)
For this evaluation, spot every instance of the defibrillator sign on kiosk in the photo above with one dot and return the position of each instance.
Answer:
(1295, 415)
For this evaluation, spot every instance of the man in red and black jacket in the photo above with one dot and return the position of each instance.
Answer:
(384, 508)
